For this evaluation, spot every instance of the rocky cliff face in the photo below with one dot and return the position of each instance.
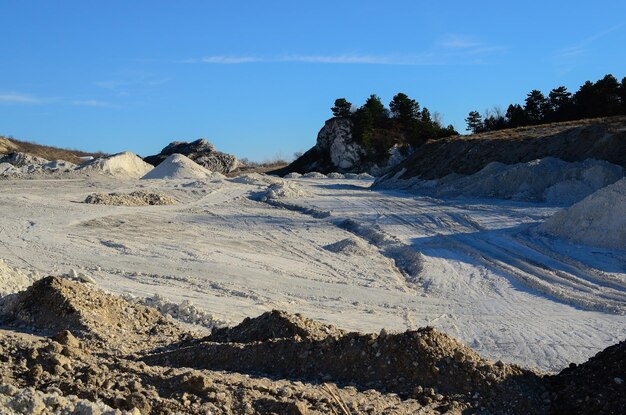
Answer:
(200, 151)
(337, 151)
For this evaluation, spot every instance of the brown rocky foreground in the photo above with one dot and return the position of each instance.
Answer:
(66, 347)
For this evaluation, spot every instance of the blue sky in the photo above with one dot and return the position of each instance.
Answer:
(258, 78)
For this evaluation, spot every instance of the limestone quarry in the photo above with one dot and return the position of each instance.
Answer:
(498, 288)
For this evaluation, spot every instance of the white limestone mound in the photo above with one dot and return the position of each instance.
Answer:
(13, 280)
(283, 190)
(7, 169)
(177, 166)
(124, 164)
(314, 175)
(19, 165)
(19, 159)
(335, 175)
(350, 247)
(59, 165)
(186, 311)
(358, 176)
(549, 180)
(597, 220)
(255, 179)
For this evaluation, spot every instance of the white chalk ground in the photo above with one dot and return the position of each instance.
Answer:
(486, 278)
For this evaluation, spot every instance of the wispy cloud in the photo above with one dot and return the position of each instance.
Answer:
(229, 60)
(583, 45)
(123, 86)
(330, 59)
(349, 59)
(452, 48)
(457, 41)
(17, 98)
(93, 103)
(112, 84)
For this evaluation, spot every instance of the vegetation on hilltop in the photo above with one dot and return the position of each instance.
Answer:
(404, 123)
(10, 145)
(604, 98)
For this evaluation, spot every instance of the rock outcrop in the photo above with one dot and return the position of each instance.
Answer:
(200, 151)
(336, 150)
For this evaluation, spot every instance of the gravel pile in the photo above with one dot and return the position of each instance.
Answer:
(137, 198)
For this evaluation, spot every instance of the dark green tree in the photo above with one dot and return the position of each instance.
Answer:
(375, 107)
(474, 122)
(607, 92)
(342, 108)
(559, 104)
(515, 116)
(585, 100)
(404, 109)
(535, 107)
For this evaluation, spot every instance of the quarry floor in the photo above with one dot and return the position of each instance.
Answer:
(480, 272)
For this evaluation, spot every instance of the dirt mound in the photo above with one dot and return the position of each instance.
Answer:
(137, 198)
(58, 369)
(14, 401)
(600, 139)
(411, 364)
(54, 304)
(96, 360)
(274, 325)
(597, 220)
(178, 166)
(124, 164)
(597, 386)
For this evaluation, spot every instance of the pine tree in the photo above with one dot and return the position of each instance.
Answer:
(474, 122)
(342, 108)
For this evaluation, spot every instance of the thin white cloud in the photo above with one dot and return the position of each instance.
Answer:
(451, 49)
(112, 84)
(456, 41)
(93, 103)
(229, 60)
(343, 59)
(16, 98)
(582, 46)
(121, 86)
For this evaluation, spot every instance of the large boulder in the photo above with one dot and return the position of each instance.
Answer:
(200, 151)
(336, 150)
